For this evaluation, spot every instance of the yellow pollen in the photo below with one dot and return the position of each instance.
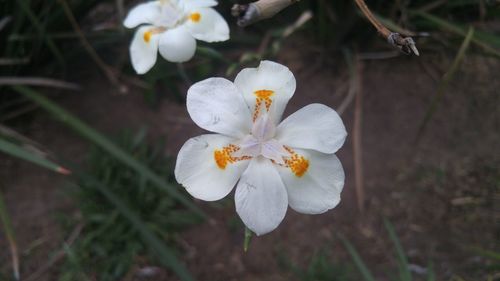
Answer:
(196, 17)
(297, 163)
(223, 156)
(147, 36)
(262, 96)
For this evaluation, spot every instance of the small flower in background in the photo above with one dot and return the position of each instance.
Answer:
(171, 27)
(273, 164)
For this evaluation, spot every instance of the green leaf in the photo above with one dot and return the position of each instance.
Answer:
(443, 84)
(365, 272)
(431, 275)
(95, 137)
(482, 39)
(164, 254)
(404, 271)
(212, 53)
(486, 253)
(11, 238)
(25, 7)
(24, 154)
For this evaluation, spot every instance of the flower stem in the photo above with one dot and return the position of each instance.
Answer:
(248, 238)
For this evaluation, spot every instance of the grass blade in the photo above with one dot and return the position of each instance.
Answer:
(212, 53)
(9, 233)
(365, 272)
(431, 275)
(25, 7)
(164, 254)
(443, 84)
(482, 39)
(95, 137)
(486, 253)
(404, 270)
(21, 153)
(38, 81)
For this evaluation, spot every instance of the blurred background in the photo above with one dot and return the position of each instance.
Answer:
(422, 158)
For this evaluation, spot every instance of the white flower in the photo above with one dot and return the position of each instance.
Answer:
(171, 27)
(273, 164)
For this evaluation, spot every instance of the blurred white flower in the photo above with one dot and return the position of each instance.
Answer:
(273, 164)
(171, 27)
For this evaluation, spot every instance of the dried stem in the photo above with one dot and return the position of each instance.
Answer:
(250, 13)
(357, 148)
(405, 44)
(106, 69)
(58, 256)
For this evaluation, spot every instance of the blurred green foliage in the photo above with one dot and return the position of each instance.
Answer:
(321, 267)
(109, 244)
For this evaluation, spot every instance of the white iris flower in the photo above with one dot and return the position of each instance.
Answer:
(172, 27)
(273, 164)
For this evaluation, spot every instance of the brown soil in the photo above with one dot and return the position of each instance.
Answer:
(438, 193)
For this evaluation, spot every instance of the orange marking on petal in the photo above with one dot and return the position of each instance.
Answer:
(196, 17)
(147, 36)
(262, 96)
(223, 156)
(297, 163)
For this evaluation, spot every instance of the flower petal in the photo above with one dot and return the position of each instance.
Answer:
(208, 25)
(144, 49)
(318, 189)
(216, 105)
(177, 45)
(271, 83)
(146, 13)
(193, 4)
(197, 170)
(315, 126)
(261, 199)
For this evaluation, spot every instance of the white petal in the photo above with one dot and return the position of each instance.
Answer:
(170, 15)
(261, 199)
(249, 146)
(144, 49)
(216, 105)
(194, 4)
(146, 13)
(318, 189)
(208, 25)
(198, 172)
(177, 45)
(315, 126)
(268, 76)
(263, 127)
(274, 150)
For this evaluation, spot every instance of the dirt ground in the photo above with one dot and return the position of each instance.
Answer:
(440, 193)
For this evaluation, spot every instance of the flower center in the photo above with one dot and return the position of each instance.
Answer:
(261, 142)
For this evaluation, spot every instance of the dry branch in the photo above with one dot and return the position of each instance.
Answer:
(405, 44)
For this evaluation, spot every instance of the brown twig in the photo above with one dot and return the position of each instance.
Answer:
(108, 71)
(405, 44)
(354, 82)
(357, 146)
